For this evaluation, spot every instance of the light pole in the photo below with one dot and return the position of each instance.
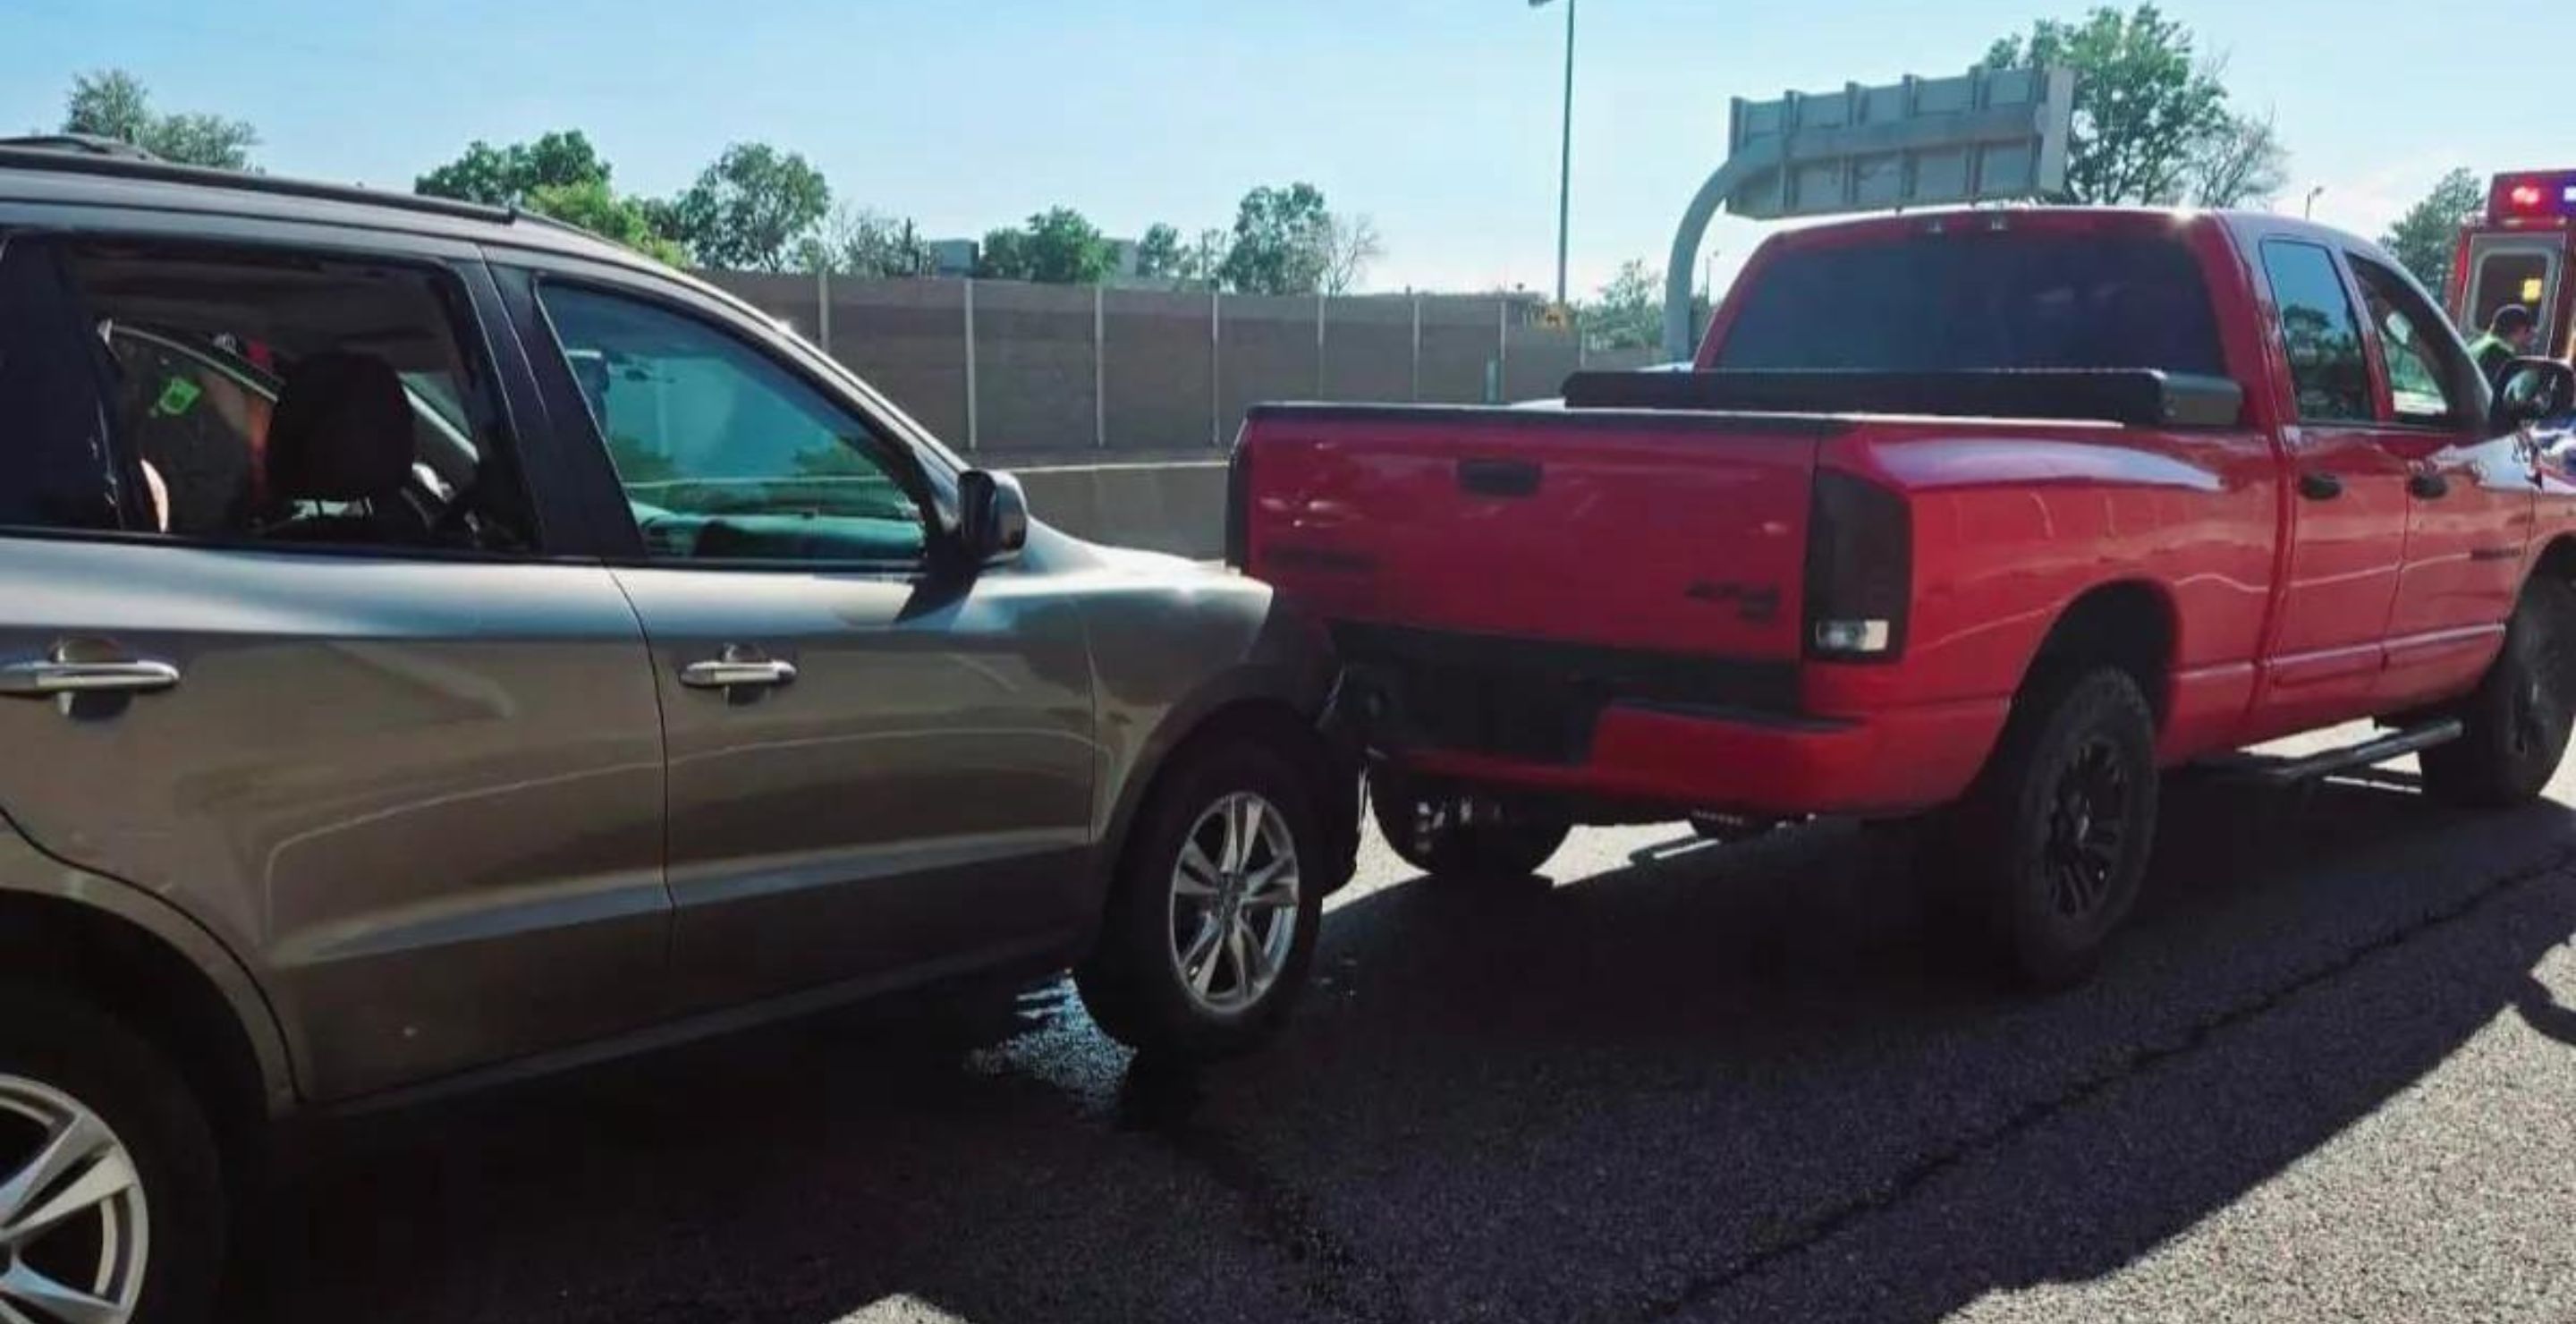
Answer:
(1565, 151)
(2308, 210)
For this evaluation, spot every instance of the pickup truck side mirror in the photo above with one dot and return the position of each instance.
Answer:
(992, 517)
(2530, 390)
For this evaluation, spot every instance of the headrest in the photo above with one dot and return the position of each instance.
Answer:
(342, 431)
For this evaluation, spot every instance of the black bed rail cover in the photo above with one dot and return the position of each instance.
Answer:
(2140, 397)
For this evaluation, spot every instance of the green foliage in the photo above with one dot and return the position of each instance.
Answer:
(559, 175)
(1057, 247)
(2425, 237)
(595, 207)
(112, 103)
(1628, 313)
(1282, 241)
(853, 241)
(504, 176)
(1159, 255)
(2143, 104)
(749, 208)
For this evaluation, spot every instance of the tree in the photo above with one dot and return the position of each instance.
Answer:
(1059, 246)
(2241, 164)
(854, 241)
(1351, 246)
(559, 175)
(749, 208)
(1159, 255)
(595, 207)
(1629, 314)
(112, 103)
(2424, 238)
(1065, 248)
(504, 176)
(1282, 241)
(2143, 105)
(1003, 256)
(1203, 263)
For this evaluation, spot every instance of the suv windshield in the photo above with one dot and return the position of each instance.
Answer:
(1934, 303)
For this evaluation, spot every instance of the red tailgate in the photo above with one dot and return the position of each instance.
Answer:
(1670, 532)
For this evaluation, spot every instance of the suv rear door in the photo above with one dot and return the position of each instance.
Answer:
(417, 785)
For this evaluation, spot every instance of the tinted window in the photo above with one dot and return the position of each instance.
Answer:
(2319, 333)
(265, 398)
(1927, 303)
(724, 454)
(2420, 357)
(56, 460)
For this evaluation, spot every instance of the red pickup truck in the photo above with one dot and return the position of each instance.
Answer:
(1985, 517)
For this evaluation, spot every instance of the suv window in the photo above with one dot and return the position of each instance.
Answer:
(2319, 334)
(2420, 363)
(2021, 299)
(262, 397)
(724, 454)
(57, 462)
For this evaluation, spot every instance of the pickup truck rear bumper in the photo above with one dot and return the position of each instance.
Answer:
(1887, 763)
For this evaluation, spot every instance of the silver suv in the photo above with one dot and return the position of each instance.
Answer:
(437, 645)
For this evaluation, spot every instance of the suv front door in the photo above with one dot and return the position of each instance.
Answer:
(879, 765)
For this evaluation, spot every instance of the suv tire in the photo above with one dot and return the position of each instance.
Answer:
(2518, 717)
(1192, 961)
(2053, 841)
(110, 1108)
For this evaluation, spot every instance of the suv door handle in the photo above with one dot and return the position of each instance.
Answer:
(738, 667)
(2317, 485)
(47, 678)
(2429, 486)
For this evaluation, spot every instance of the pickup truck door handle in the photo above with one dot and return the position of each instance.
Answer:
(738, 667)
(1499, 478)
(2429, 486)
(47, 678)
(2317, 485)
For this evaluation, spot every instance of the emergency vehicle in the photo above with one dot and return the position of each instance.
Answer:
(2522, 251)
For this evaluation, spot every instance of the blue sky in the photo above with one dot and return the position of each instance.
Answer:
(1437, 118)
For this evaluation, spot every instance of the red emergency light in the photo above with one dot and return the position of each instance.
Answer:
(2533, 196)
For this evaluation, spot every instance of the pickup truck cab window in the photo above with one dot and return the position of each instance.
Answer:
(1980, 300)
(723, 454)
(2422, 367)
(2320, 335)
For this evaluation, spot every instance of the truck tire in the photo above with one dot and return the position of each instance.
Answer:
(128, 1210)
(2518, 718)
(2052, 842)
(1212, 917)
(1439, 835)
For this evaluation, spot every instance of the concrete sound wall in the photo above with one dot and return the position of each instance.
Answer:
(1173, 506)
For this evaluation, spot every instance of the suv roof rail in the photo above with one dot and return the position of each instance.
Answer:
(84, 144)
(81, 154)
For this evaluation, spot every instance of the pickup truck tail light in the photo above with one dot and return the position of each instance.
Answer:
(1238, 508)
(1860, 569)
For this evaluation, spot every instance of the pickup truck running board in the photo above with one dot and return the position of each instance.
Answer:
(2326, 763)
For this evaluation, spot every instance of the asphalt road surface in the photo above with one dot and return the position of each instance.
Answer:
(2330, 1074)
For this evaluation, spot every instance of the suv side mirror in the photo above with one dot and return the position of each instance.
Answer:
(2530, 390)
(993, 516)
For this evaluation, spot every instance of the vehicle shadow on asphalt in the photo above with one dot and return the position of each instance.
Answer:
(1727, 1083)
